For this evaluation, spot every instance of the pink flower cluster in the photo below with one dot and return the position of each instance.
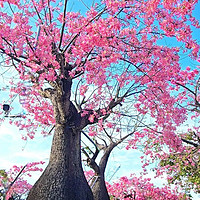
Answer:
(13, 183)
(140, 189)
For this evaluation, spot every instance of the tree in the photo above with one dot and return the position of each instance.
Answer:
(81, 71)
(141, 188)
(134, 187)
(126, 188)
(183, 167)
(12, 182)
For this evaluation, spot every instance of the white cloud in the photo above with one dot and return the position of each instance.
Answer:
(6, 164)
(15, 151)
(8, 132)
(37, 156)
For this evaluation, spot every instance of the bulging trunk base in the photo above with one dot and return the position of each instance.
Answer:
(63, 179)
(57, 183)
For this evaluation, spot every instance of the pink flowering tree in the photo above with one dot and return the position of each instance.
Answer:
(180, 168)
(13, 184)
(183, 167)
(105, 72)
(139, 188)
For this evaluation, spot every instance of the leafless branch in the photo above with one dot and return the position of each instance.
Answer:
(96, 148)
(10, 55)
(49, 12)
(190, 142)
(29, 44)
(63, 25)
(186, 88)
(11, 184)
(71, 42)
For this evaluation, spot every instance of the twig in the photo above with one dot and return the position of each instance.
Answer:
(63, 25)
(12, 183)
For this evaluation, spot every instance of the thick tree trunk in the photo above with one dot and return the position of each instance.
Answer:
(63, 179)
(99, 188)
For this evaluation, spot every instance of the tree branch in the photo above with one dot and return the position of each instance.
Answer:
(186, 88)
(63, 25)
(190, 142)
(49, 12)
(96, 149)
(11, 55)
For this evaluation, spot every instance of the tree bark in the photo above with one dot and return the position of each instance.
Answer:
(99, 189)
(98, 185)
(63, 179)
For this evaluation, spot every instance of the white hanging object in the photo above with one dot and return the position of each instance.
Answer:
(37, 37)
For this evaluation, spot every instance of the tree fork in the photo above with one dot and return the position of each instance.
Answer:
(63, 179)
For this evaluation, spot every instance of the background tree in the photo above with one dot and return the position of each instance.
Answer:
(183, 167)
(13, 184)
(80, 71)
(135, 187)
(141, 188)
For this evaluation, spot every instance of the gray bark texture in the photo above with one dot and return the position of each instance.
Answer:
(63, 179)
(99, 189)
